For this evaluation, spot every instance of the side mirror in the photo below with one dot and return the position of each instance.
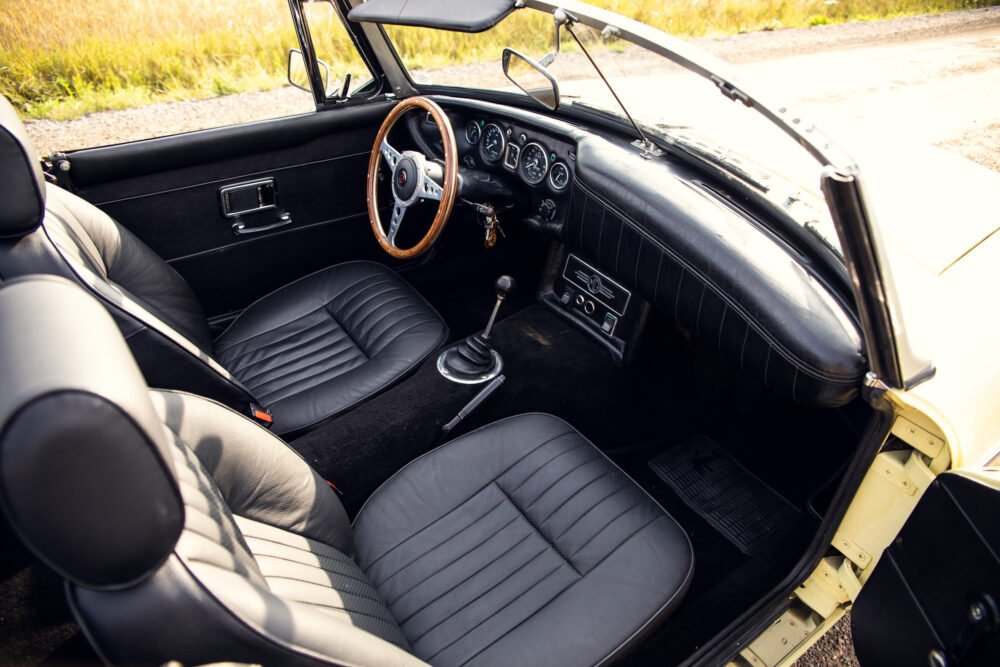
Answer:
(298, 73)
(532, 78)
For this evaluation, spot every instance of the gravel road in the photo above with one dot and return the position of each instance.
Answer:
(931, 80)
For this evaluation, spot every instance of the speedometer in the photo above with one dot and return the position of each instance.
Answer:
(534, 163)
(493, 143)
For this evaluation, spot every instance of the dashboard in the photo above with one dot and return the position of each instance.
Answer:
(538, 161)
(539, 166)
(671, 234)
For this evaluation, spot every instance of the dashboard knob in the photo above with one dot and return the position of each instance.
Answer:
(547, 210)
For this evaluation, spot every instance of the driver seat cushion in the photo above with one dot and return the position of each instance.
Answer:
(324, 343)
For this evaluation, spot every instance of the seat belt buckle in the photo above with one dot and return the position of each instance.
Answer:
(261, 415)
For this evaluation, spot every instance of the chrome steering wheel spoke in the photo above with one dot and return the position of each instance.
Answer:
(430, 175)
(390, 154)
(398, 211)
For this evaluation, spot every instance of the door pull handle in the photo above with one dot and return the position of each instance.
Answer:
(241, 229)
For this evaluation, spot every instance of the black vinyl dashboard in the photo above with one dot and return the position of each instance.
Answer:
(681, 240)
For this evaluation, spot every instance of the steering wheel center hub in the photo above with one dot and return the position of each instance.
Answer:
(405, 178)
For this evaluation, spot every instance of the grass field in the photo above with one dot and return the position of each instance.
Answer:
(63, 59)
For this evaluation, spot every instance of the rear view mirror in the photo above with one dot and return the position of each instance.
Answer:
(298, 74)
(532, 78)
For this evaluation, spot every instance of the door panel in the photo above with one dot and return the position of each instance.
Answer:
(932, 597)
(167, 192)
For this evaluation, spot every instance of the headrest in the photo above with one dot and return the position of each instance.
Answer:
(23, 183)
(86, 478)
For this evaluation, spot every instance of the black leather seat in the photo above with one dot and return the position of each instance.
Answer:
(190, 533)
(307, 352)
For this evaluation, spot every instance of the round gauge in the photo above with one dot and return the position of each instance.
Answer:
(473, 132)
(493, 144)
(534, 163)
(559, 176)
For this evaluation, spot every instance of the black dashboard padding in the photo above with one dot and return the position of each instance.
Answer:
(719, 274)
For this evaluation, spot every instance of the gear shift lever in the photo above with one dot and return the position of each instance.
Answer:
(473, 360)
(504, 286)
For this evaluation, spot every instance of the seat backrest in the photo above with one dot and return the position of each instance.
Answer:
(185, 530)
(49, 230)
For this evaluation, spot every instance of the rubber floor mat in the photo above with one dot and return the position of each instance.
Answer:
(727, 495)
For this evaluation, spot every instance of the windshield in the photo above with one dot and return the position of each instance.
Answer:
(673, 105)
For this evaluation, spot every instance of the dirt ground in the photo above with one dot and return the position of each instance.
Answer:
(933, 80)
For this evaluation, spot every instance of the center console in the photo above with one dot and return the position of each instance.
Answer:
(598, 304)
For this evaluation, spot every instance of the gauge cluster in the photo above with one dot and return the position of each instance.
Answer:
(540, 162)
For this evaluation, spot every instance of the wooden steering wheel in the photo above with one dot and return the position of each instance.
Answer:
(414, 177)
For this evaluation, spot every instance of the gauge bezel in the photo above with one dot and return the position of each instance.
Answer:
(520, 166)
(569, 175)
(503, 144)
(479, 130)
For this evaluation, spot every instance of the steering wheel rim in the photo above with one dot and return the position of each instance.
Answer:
(425, 187)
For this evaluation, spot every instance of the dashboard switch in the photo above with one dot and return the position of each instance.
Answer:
(610, 321)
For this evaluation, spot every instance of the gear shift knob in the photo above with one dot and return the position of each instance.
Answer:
(505, 285)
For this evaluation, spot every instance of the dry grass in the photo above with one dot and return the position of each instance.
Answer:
(64, 59)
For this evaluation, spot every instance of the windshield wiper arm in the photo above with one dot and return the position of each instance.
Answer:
(649, 149)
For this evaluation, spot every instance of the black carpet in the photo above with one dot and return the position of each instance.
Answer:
(550, 367)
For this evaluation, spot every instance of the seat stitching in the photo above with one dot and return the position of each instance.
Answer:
(333, 353)
(590, 509)
(300, 357)
(322, 306)
(293, 546)
(528, 590)
(630, 536)
(607, 525)
(662, 516)
(452, 588)
(346, 575)
(218, 352)
(337, 370)
(303, 279)
(365, 323)
(483, 595)
(441, 543)
(388, 621)
(575, 494)
(539, 468)
(345, 316)
(551, 543)
(474, 494)
(331, 587)
(365, 292)
(397, 336)
(563, 476)
(453, 560)
(245, 353)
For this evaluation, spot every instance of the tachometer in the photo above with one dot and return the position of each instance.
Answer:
(473, 132)
(559, 176)
(493, 144)
(534, 163)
